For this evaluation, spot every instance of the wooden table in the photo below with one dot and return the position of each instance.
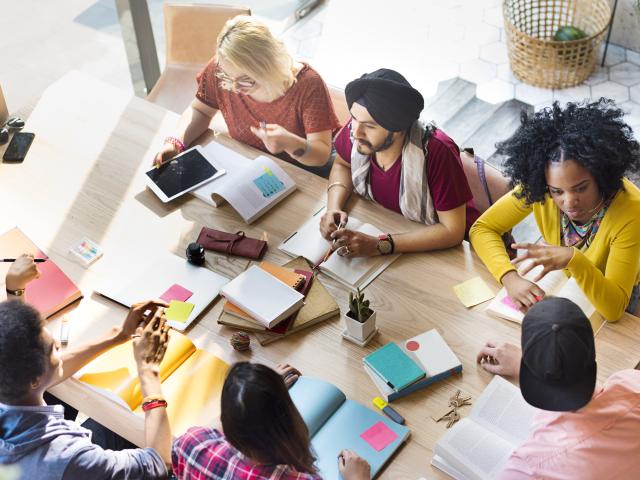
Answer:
(83, 177)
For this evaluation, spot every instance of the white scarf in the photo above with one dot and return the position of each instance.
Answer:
(415, 198)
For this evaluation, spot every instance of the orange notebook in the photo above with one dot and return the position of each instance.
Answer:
(289, 277)
(50, 293)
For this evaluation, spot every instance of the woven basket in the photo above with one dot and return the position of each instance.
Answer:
(537, 59)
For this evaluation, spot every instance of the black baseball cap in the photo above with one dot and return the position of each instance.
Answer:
(558, 367)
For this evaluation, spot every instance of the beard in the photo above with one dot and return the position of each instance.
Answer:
(366, 148)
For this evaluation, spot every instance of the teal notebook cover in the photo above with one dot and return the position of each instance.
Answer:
(394, 366)
(336, 423)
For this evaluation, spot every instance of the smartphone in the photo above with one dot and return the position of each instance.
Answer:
(18, 148)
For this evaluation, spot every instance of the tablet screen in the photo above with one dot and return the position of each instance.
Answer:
(182, 173)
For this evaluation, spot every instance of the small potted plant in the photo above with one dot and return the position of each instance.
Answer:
(360, 320)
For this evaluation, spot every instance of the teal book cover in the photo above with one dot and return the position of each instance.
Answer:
(394, 366)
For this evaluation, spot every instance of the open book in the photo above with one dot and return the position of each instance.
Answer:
(555, 283)
(191, 379)
(478, 446)
(251, 187)
(336, 423)
(355, 273)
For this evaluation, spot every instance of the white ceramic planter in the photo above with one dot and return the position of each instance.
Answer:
(360, 331)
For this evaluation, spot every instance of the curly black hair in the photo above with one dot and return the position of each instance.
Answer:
(23, 353)
(592, 134)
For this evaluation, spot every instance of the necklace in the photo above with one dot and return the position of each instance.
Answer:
(580, 236)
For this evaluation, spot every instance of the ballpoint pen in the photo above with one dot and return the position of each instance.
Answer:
(329, 251)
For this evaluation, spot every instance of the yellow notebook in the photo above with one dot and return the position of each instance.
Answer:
(191, 379)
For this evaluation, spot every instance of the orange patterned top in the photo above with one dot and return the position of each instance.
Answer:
(305, 108)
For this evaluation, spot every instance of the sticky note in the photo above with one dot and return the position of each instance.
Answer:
(179, 311)
(379, 436)
(472, 292)
(176, 292)
(509, 303)
(268, 184)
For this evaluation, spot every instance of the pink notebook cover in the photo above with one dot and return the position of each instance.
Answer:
(50, 293)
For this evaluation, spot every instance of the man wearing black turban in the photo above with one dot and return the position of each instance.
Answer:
(387, 155)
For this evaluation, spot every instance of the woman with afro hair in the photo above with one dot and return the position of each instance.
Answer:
(568, 166)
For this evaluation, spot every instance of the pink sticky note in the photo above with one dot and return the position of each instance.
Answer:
(379, 436)
(509, 303)
(176, 292)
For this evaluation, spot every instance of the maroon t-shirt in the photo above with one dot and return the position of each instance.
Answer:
(447, 182)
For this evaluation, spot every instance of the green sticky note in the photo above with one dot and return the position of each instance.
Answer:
(179, 311)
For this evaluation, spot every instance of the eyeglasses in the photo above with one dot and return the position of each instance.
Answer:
(229, 83)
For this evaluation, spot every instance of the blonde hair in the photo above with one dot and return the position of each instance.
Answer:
(250, 46)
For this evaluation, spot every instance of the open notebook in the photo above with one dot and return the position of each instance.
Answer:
(353, 272)
(53, 290)
(191, 379)
(478, 446)
(336, 423)
(554, 283)
(251, 187)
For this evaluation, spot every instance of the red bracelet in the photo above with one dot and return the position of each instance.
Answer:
(176, 142)
(153, 404)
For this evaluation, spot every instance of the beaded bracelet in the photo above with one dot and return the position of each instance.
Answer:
(153, 404)
(176, 142)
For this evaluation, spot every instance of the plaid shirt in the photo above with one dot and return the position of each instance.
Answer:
(204, 454)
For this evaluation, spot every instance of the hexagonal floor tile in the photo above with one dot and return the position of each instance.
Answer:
(481, 34)
(505, 73)
(615, 55)
(533, 95)
(635, 93)
(612, 90)
(493, 16)
(477, 71)
(599, 75)
(495, 52)
(633, 57)
(626, 73)
(495, 91)
(573, 94)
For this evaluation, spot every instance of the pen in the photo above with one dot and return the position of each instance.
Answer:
(329, 251)
(37, 260)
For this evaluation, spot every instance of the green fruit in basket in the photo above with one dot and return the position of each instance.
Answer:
(568, 33)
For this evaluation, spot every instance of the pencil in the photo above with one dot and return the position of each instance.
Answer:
(37, 260)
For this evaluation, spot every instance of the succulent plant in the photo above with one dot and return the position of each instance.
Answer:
(359, 307)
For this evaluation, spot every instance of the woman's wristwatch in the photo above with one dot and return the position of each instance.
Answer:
(385, 244)
(19, 292)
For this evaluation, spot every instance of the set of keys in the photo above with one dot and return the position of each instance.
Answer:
(451, 415)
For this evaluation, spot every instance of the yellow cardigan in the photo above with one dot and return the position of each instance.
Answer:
(606, 271)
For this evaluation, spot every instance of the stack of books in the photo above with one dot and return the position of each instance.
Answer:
(418, 362)
(246, 307)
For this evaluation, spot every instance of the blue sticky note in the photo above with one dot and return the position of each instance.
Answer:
(268, 184)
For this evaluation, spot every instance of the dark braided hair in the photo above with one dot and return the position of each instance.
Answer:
(593, 134)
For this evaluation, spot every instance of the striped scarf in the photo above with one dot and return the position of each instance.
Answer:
(415, 198)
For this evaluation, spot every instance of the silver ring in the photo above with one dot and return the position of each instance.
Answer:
(347, 250)
(136, 335)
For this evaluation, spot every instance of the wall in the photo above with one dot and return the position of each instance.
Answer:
(626, 24)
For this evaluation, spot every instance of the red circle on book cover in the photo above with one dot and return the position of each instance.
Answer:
(412, 345)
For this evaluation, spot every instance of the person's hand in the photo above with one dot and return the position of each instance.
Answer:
(523, 292)
(288, 373)
(139, 315)
(150, 342)
(167, 152)
(352, 466)
(273, 136)
(330, 222)
(21, 272)
(500, 358)
(350, 243)
(551, 257)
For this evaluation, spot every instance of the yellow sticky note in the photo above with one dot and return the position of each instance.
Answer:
(472, 292)
(179, 311)
(268, 171)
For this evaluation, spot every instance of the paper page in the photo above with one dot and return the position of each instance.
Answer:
(307, 241)
(316, 400)
(344, 430)
(116, 371)
(193, 392)
(359, 271)
(231, 161)
(573, 292)
(502, 409)
(474, 451)
(551, 282)
(260, 184)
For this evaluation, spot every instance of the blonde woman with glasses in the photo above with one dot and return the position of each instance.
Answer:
(267, 99)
